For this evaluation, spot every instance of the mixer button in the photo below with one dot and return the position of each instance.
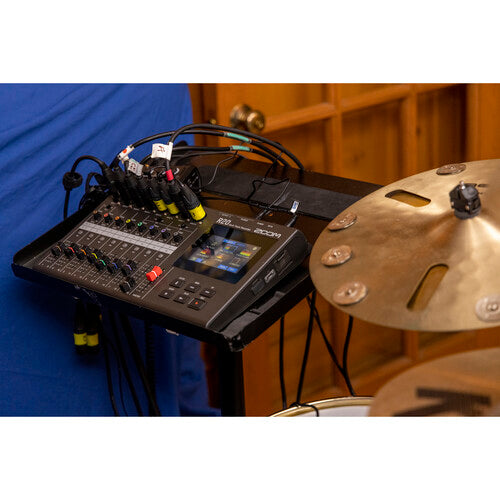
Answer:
(97, 215)
(153, 230)
(208, 292)
(118, 221)
(141, 227)
(165, 233)
(130, 224)
(107, 218)
(182, 298)
(178, 282)
(177, 237)
(197, 304)
(192, 287)
(167, 294)
(154, 273)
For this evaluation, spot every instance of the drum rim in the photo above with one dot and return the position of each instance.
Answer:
(325, 403)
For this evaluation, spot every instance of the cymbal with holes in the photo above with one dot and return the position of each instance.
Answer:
(401, 258)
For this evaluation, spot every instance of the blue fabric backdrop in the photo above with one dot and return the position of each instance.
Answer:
(43, 129)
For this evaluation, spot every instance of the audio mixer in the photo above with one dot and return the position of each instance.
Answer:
(204, 272)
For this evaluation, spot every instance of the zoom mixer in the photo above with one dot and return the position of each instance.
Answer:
(203, 272)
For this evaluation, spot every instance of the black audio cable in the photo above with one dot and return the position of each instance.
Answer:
(150, 360)
(106, 343)
(191, 202)
(344, 356)
(306, 348)
(134, 349)
(133, 188)
(343, 369)
(108, 376)
(73, 179)
(214, 130)
(282, 362)
(79, 329)
(235, 134)
(123, 192)
(174, 192)
(123, 363)
(193, 150)
(94, 327)
(144, 191)
(163, 188)
(154, 192)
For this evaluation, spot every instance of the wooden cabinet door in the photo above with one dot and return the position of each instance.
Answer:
(372, 132)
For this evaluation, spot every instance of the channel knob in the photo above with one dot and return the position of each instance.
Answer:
(127, 285)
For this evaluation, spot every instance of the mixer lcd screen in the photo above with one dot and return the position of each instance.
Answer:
(225, 253)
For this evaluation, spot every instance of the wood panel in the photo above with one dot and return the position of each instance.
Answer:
(270, 98)
(483, 115)
(371, 144)
(379, 133)
(441, 128)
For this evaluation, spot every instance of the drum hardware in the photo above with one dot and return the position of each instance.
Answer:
(333, 407)
(342, 221)
(453, 168)
(464, 384)
(336, 255)
(415, 262)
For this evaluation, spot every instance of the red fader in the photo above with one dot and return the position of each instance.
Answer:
(154, 273)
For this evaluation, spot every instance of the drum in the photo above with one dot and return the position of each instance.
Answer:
(464, 384)
(335, 407)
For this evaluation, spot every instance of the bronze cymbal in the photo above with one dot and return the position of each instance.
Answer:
(413, 263)
(464, 384)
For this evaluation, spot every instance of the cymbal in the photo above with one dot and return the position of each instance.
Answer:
(464, 384)
(401, 257)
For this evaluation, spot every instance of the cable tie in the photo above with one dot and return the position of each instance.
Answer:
(71, 180)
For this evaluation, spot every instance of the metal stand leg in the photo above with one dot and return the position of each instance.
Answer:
(232, 391)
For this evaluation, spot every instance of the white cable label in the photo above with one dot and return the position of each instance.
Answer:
(162, 150)
(123, 155)
(135, 167)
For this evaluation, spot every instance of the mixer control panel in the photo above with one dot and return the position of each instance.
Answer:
(204, 272)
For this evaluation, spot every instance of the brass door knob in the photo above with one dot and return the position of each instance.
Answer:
(244, 117)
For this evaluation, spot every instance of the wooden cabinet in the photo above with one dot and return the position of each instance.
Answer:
(372, 132)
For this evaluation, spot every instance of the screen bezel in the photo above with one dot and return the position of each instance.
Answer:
(264, 242)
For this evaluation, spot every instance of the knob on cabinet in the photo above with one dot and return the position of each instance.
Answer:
(244, 117)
